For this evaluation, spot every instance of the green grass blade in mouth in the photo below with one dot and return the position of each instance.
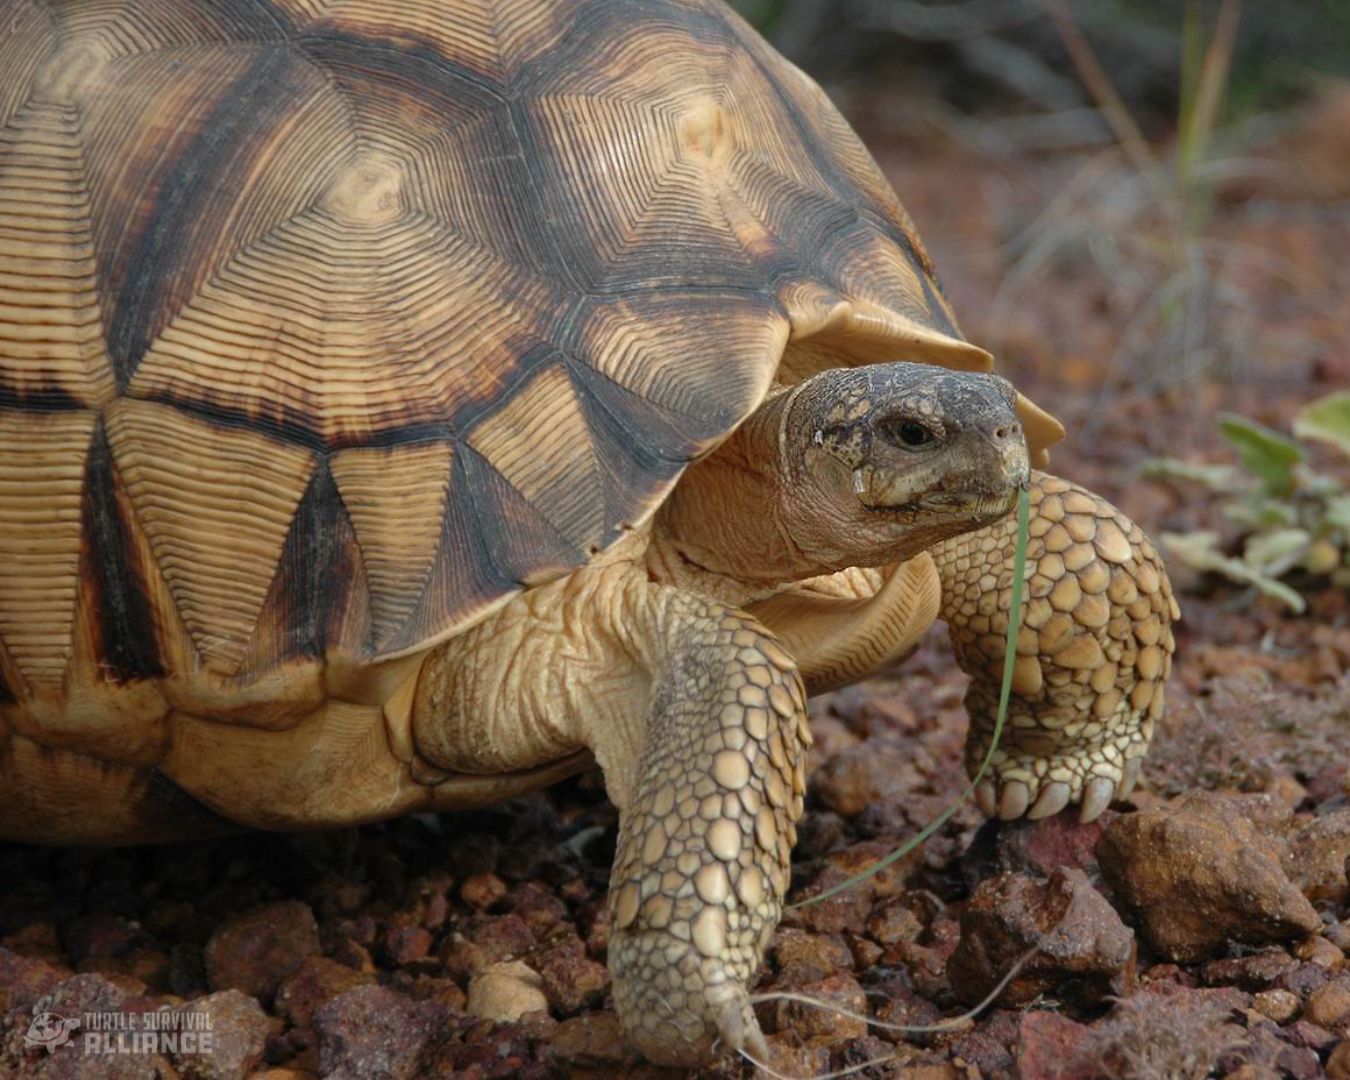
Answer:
(1005, 693)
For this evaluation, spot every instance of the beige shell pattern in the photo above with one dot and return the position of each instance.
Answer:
(328, 325)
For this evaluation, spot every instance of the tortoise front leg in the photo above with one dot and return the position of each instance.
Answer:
(707, 826)
(1093, 654)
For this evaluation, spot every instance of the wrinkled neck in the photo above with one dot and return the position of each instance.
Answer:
(726, 513)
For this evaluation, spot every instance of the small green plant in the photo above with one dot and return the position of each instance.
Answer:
(1292, 518)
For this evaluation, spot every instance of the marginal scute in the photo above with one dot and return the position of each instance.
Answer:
(216, 504)
(395, 497)
(41, 488)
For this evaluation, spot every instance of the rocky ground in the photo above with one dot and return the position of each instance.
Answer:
(1200, 928)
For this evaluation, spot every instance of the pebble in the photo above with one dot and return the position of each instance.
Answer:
(373, 1031)
(1329, 1007)
(1318, 950)
(255, 950)
(481, 891)
(571, 980)
(811, 1021)
(1315, 859)
(1199, 876)
(313, 984)
(1338, 1062)
(1279, 1005)
(1080, 938)
(506, 991)
(591, 1041)
(238, 1032)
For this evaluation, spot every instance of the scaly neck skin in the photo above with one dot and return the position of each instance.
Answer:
(724, 520)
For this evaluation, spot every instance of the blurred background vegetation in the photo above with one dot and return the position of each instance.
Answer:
(1008, 57)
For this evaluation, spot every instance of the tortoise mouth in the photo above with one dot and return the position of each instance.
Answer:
(953, 505)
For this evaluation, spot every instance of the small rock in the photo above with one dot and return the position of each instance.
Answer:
(591, 1041)
(481, 891)
(229, 1040)
(116, 1058)
(811, 1021)
(1053, 1047)
(1318, 950)
(542, 911)
(255, 950)
(990, 1048)
(1249, 972)
(313, 984)
(405, 945)
(1316, 857)
(372, 1031)
(1338, 1063)
(24, 979)
(1313, 1036)
(506, 991)
(802, 956)
(1039, 847)
(863, 774)
(1338, 933)
(571, 980)
(1304, 979)
(434, 988)
(1200, 876)
(894, 921)
(847, 911)
(1080, 938)
(493, 939)
(498, 1052)
(1279, 1005)
(1329, 1007)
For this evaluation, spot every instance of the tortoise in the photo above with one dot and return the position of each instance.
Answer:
(404, 406)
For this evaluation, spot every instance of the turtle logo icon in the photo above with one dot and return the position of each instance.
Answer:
(51, 1030)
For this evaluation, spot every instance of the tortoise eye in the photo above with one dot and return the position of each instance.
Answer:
(912, 434)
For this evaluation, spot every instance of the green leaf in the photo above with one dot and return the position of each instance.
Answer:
(1276, 552)
(1261, 512)
(1327, 420)
(1200, 550)
(1214, 477)
(1338, 513)
(1265, 453)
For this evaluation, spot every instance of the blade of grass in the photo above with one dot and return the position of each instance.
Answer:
(1102, 89)
(1005, 693)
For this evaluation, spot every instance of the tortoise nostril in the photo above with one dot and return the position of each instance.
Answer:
(1007, 431)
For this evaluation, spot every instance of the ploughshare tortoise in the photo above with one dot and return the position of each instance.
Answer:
(404, 405)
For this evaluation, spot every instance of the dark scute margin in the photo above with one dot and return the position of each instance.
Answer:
(112, 574)
(312, 590)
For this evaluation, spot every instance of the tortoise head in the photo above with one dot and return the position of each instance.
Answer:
(880, 462)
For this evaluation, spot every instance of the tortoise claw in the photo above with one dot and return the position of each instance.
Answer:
(739, 1032)
(1013, 801)
(1097, 796)
(1132, 769)
(1054, 797)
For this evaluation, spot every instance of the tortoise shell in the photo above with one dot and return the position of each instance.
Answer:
(327, 325)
